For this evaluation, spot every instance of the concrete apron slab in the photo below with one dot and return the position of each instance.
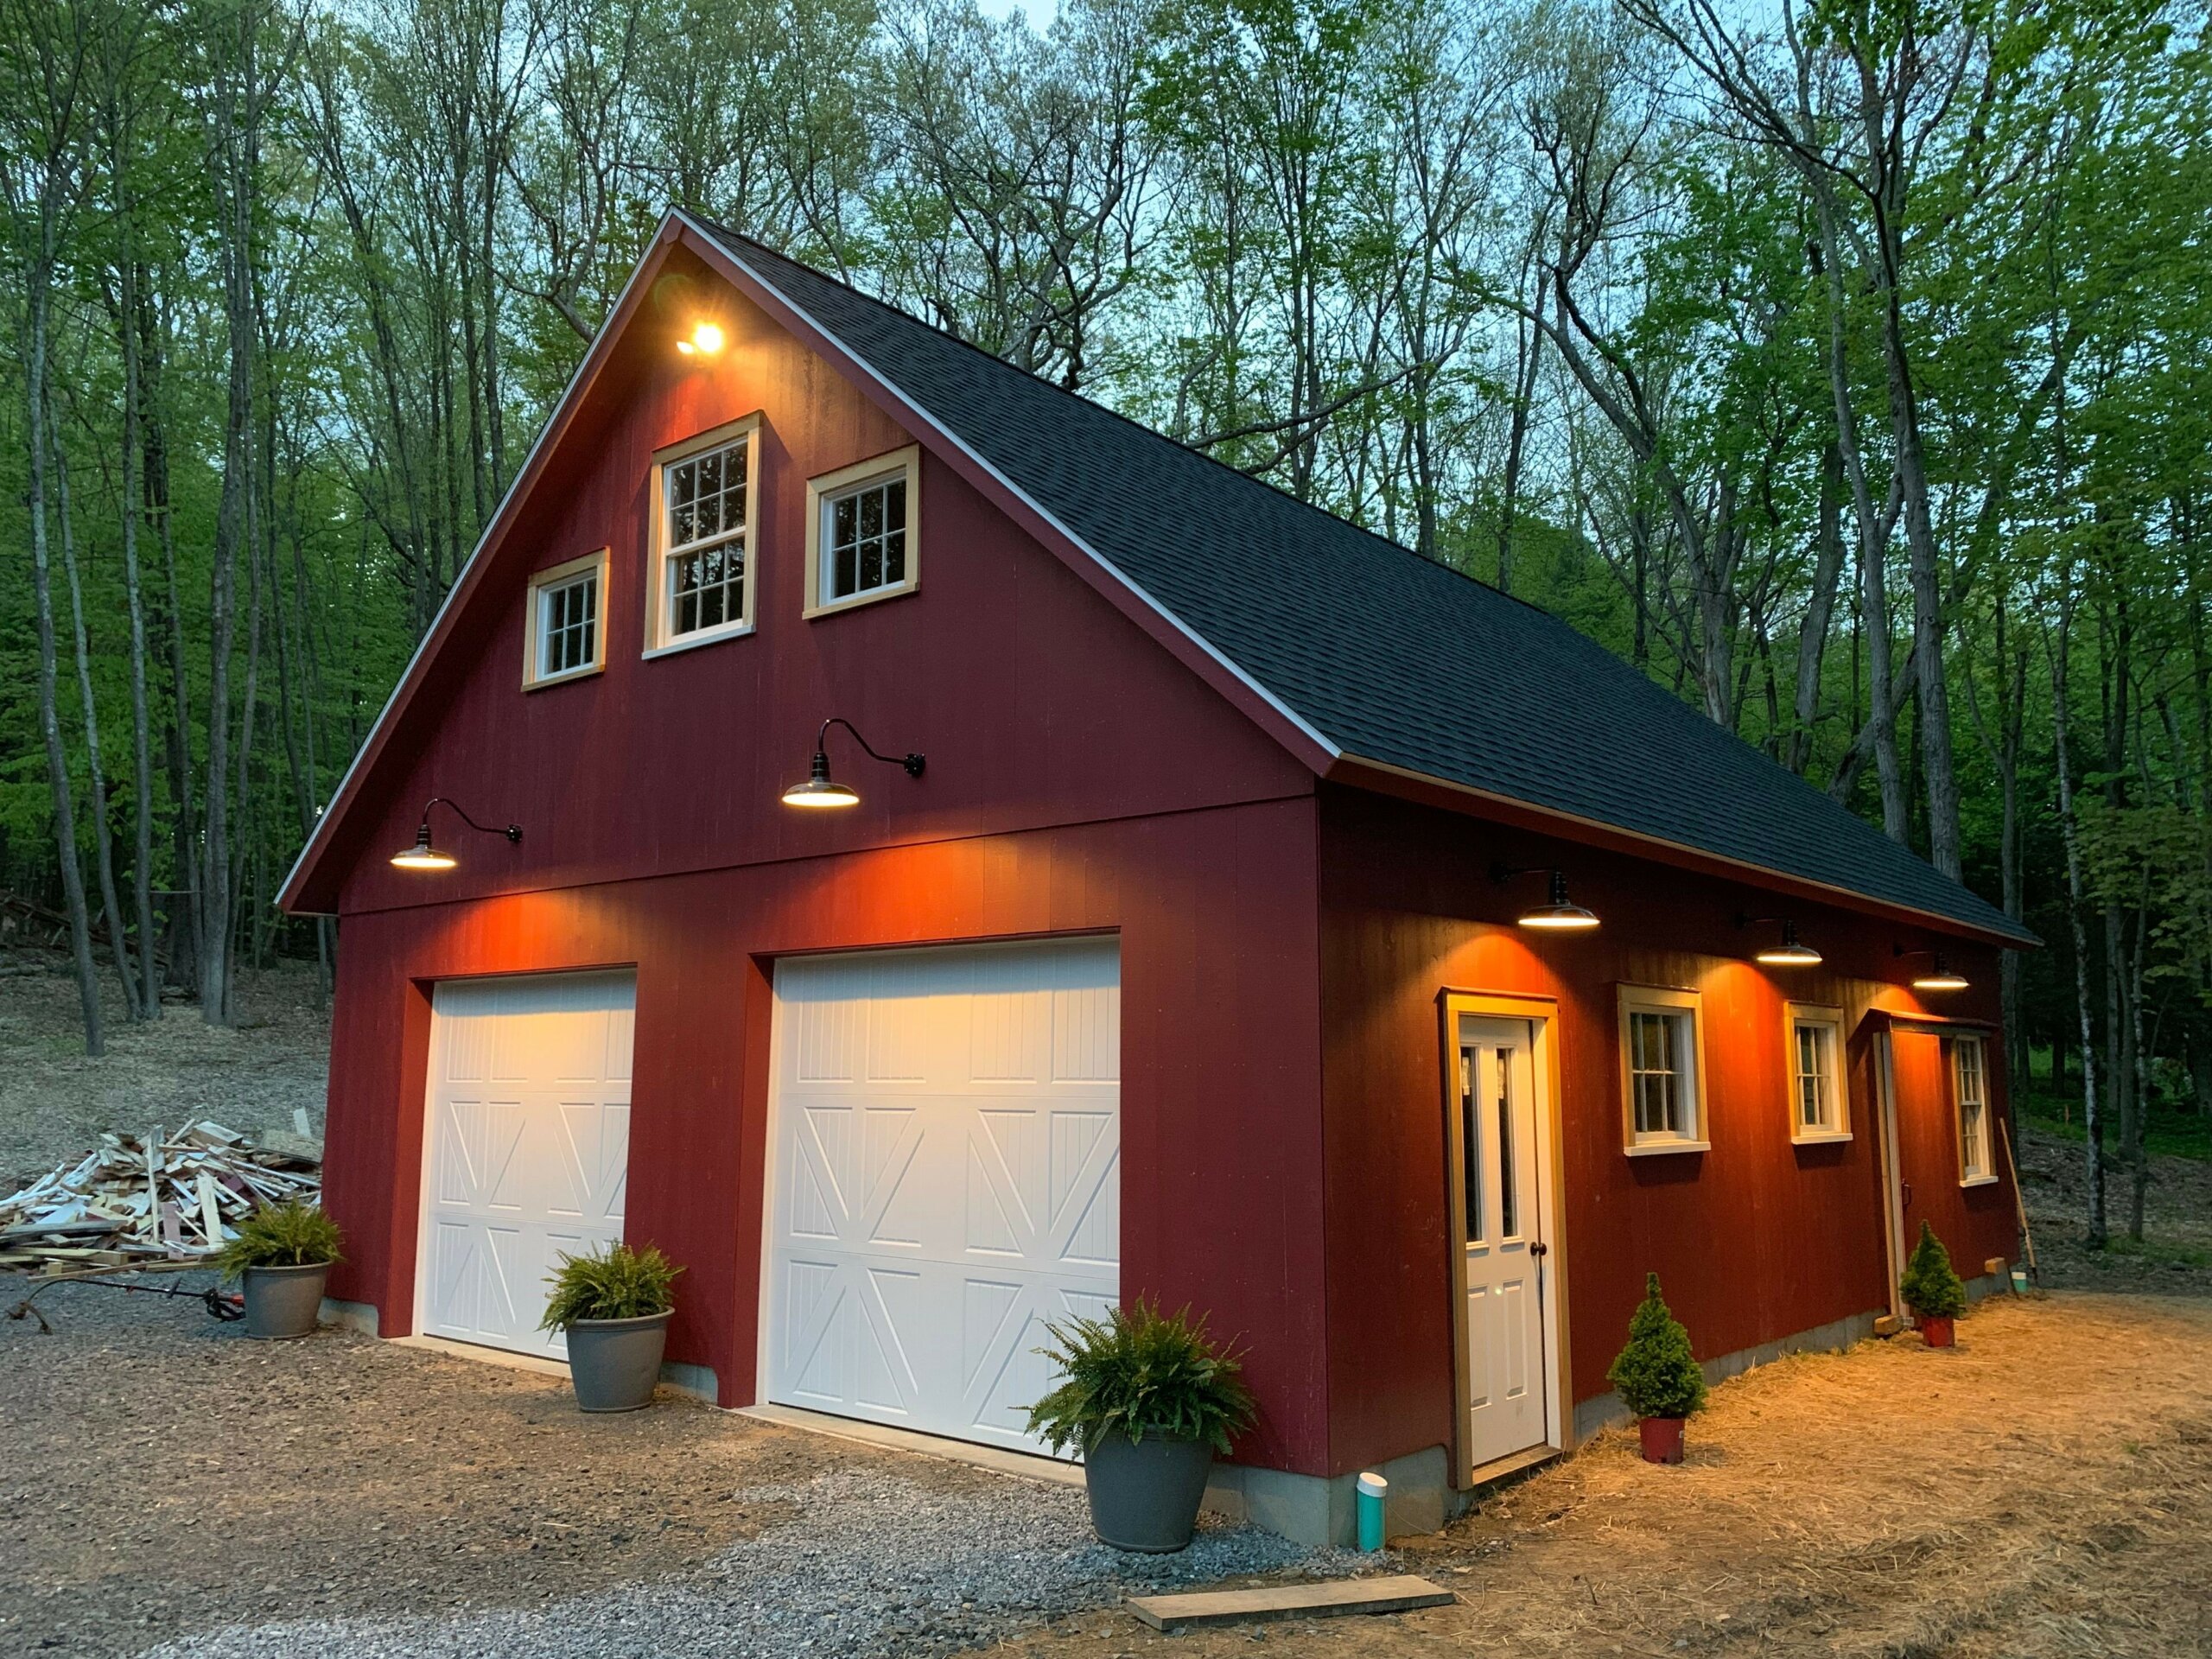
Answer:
(696, 1380)
(1023, 1465)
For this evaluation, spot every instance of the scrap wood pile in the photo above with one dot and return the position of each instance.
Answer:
(141, 1199)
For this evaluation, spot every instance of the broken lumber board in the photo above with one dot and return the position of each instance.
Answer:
(1195, 1609)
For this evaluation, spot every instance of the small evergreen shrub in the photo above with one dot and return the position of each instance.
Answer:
(1657, 1375)
(287, 1235)
(1141, 1373)
(1931, 1288)
(614, 1282)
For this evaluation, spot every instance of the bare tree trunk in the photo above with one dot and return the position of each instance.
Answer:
(102, 852)
(141, 814)
(40, 308)
(236, 112)
(2092, 1122)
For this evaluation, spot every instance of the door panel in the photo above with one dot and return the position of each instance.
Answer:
(947, 1130)
(527, 1148)
(1496, 1154)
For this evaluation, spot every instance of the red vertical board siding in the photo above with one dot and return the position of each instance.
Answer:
(1220, 1091)
(1755, 1240)
(1036, 703)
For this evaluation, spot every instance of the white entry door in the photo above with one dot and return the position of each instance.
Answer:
(526, 1148)
(1497, 1162)
(945, 1130)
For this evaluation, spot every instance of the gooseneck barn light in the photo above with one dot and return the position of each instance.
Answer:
(424, 856)
(706, 339)
(1788, 952)
(1558, 914)
(1939, 976)
(821, 790)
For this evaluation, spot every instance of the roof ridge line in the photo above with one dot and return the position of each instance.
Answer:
(1130, 421)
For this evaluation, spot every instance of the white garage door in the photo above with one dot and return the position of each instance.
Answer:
(526, 1147)
(946, 1127)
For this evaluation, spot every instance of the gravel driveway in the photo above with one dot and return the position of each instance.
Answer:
(171, 1487)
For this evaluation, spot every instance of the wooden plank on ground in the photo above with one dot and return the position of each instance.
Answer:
(1196, 1609)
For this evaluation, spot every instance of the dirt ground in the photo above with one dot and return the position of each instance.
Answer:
(55, 1101)
(2044, 1488)
(2175, 1255)
(164, 1474)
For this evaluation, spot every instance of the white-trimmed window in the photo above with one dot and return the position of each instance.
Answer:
(1662, 1071)
(862, 532)
(565, 621)
(705, 503)
(1819, 1110)
(1970, 1086)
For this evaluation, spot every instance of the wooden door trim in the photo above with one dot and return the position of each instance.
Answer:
(1542, 1014)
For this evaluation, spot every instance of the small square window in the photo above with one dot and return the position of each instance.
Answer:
(1818, 1107)
(861, 533)
(705, 491)
(567, 636)
(1970, 1084)
(1662, 1071)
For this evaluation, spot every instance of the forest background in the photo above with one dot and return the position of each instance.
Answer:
(1842, 364)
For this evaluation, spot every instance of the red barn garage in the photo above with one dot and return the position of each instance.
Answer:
(1250, 914)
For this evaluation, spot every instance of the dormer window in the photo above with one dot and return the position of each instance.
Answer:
(862, 532)
(567, 633)
(705, 498)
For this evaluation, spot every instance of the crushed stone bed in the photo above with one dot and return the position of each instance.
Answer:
(870, 1563)
(172, 1487)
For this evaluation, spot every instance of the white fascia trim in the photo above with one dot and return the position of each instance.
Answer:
(514, 485)
(949, 435)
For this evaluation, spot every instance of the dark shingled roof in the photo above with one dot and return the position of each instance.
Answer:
(1388, 655)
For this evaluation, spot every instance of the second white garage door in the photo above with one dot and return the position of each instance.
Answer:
(526, 1147)
(946, 1177)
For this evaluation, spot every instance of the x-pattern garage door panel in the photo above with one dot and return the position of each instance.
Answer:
(528, 1149)
(947, 1178)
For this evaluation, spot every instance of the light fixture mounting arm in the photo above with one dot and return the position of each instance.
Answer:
(513, 831)
(913, 763)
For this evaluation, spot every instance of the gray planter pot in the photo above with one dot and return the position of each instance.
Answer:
(282, 1303)
(616, 1362)
(1145, 1494)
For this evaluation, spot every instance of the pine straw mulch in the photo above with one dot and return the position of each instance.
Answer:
(2044, 1488)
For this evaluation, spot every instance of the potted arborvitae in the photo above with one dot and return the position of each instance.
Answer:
(1148, 1399)
(1657, 1377)
(283, 1252)
(613, 1305)
(1931, 1289)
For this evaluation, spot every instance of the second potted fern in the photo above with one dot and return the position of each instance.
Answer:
(1148, 1399)
(613, 1305)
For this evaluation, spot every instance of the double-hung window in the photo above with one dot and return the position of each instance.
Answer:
(1662, 1071)
(862, 532)
(1818, 1108)
(705, 497)
(1970, 1084)
(565, 627)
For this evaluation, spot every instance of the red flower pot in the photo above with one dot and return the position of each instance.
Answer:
(1661, 1437)
(1935, 1330)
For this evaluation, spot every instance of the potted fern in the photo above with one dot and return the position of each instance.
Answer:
(1657, 1377)
(613, 1304)
(1931, 1289)
(1148, 1399)
(283, 1252)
